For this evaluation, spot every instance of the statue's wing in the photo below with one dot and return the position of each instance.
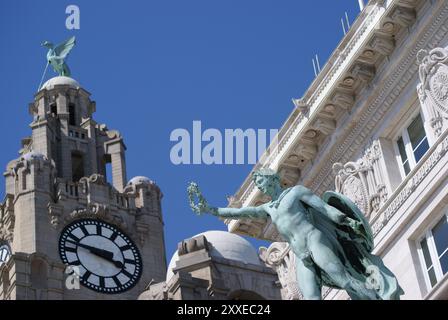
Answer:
(63, 49)
(346, 206)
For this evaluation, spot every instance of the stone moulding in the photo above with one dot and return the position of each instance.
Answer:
(392, 87)
(407, 187)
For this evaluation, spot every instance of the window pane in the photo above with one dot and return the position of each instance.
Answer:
(444, 263)
(440, 234)
(416, 132)
(406, 167)
(426, 253)
(404, 157)
(432, 277)
(421, 149)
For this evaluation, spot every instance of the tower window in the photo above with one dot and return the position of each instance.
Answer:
(77, 166)
(72, 115)
(108, 167)
(54, 109)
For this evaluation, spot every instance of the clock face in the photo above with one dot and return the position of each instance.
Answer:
(108, 261)
(5, 253)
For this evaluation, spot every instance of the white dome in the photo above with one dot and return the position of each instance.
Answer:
(140, 180)
(33, 155)
(59, 81)
(224, 245)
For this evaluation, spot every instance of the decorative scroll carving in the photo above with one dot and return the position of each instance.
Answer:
(280, 258)
(433, 87)
(363, 181)
(350, 181)
(6, 234)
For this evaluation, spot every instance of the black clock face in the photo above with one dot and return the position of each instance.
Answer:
(108, 261)
(5, 253)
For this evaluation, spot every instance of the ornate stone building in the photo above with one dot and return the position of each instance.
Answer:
(373, 126)
(60, 211)
(216, 265)
(68, 233)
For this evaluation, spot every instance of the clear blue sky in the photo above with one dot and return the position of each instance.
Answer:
(154, 66)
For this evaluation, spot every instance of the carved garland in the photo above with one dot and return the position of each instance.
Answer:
(433, 87)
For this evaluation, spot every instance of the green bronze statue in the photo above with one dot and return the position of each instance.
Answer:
(56, 55)
(330, 237)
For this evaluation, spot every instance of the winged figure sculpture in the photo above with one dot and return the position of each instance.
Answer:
(57, 54)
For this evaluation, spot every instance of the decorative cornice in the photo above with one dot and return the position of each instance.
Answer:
(373, 113)
(390, 91)
(408, 186)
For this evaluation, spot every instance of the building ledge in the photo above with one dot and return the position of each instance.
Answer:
(440, 291)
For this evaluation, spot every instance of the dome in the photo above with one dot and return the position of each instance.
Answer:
(33, 155)
(61, 81)
(224, 245)
(140, 180)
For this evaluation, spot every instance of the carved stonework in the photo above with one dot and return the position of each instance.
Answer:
(433, 87)
(280, 258)
(193, 244)
(363, 181)
(301, 105)
(6, 234)
(55, 212)
(349, 182)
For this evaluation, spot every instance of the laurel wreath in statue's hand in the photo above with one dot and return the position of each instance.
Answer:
(197, 201)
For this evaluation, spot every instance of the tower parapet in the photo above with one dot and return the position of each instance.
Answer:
(59, 183)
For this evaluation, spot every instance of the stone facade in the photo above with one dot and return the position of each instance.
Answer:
(343, 135)
(216, 265)
(60, 177)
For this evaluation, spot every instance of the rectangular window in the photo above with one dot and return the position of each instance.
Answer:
(418, 139)
(434, 252)
(72, 115)
(412, 144)
(77, 166)
(54, 109)
(403, 155)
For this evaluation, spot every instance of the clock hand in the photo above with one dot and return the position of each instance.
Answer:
(106, 255)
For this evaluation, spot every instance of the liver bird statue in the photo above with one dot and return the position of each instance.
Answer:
(57, 54)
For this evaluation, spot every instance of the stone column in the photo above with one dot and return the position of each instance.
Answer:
(116, 149)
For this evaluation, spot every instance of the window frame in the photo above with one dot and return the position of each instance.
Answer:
(432, 253)
(403, 133)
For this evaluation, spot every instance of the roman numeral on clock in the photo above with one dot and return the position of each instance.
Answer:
(98, 230)
(102, 282)
(84, 230)
(71, 235)
(86, 275)
(129, 261)
(113, 236)
(70, 249)
(75, 263)
(117, 282)
(127, 274)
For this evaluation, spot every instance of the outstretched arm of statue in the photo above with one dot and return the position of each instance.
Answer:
(236, 213)
(200, 206)
(331, 212)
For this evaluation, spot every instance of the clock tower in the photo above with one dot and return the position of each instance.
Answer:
(66, 231)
